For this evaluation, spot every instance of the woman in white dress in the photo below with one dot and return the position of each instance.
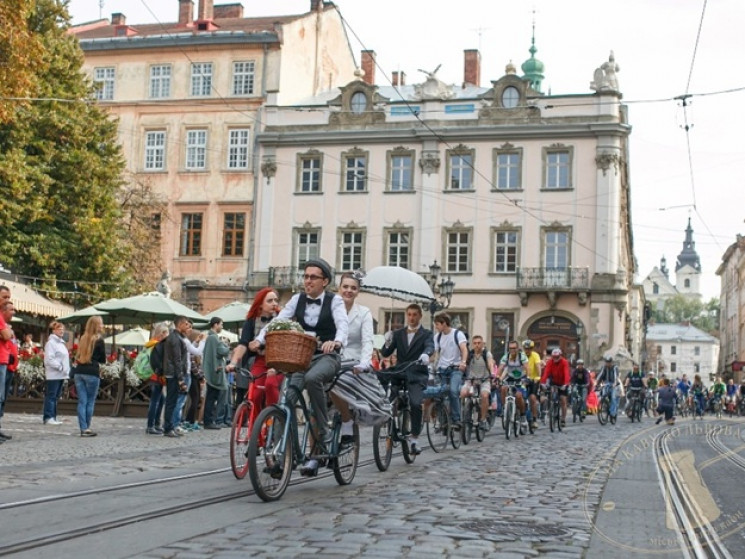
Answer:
(357, 393)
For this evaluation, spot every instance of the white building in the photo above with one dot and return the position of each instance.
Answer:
(675, 349)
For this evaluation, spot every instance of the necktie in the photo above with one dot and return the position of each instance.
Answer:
(313, 301)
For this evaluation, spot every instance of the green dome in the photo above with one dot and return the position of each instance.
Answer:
(533, 68)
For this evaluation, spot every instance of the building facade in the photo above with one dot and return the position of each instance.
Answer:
(677, 349)
(521, 198)
(732, 310)
(188, 96)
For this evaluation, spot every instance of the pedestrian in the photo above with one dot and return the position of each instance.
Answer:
(8, 357)
(191, 422)
(194, 343)
(666, 397)
(88, 360)
(56, 370)
(213, 363)
(174, 369)
(157, 383)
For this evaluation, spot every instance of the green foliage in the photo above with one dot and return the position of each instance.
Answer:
(61, 173)
(679, 308)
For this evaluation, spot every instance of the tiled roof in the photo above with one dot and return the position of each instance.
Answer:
(674, 332)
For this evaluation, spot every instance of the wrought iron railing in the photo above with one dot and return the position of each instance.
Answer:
(545, 279)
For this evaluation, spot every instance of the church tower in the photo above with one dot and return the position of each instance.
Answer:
(688, 267)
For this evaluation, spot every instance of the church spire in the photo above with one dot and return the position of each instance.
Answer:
(533, 68)
(688, 256)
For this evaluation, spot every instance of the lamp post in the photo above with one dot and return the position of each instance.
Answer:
(443, 292)
(580, 330)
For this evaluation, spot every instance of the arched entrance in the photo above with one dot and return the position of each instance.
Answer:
(550, 332)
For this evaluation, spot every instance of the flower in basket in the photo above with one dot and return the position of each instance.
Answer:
(284, 324)
(30, 366)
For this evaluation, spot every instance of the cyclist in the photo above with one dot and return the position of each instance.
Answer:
(699, 394)
(636, 383)
(556, 370)
(321, 314)
(480, 366)
(581, 380)
(513, 369)
(652, 384)
(684, 387)
(718, 390)
(451, 347)
(609, 375)
(731, 395)
(413, 342)
(534, 377)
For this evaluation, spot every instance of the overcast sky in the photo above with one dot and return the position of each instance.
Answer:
(653, 41)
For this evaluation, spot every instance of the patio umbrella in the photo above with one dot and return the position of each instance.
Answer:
(82, 315)
(148, 307)
(134, 337)
(397, 283)
(232, 314)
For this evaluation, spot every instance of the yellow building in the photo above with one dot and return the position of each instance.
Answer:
(188, 96)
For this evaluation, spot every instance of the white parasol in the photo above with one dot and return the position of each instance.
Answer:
(397, 283)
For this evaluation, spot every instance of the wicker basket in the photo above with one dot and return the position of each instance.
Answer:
(289, 351)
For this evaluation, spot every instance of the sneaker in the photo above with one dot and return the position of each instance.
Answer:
(5, 437)
(212, 426)
(52, 421)
(171, 434)
(180, 430)
(153, 431)
(483, 425)
(347, 440)
(534, 425)
(310, 468)
(195, 426)
(88, 433)
(456, 425)
(659, 420)
(414, 449)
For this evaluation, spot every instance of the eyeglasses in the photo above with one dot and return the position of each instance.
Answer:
(513, 347)
(312, 277)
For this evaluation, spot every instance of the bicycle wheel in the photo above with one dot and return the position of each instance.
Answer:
(523, 426)
(478, 426)
(551, 414)
(347, 458)
(270, 454)
(438, 428)
(508, 414)
(454, 434)
(638, 410)
(576, 408)
(468, 425)
(557, 415)
(383, 445)
(404, 422)
(603, 411)
(240, 433)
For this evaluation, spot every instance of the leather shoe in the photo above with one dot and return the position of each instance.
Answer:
(310, 468)
(212, 426)
(347, 440)
(5, 437)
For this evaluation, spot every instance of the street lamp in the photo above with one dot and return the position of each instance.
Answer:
(443, 291)
(580, 330)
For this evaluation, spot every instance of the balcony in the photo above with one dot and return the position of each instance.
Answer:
(553, 279)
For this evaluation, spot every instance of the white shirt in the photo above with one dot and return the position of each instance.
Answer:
(312, 314)
(449, 348)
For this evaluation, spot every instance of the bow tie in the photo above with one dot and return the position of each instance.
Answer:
(412, 330)
(313, 301)
(265, 318)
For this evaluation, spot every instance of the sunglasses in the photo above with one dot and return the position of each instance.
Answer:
(312, 277)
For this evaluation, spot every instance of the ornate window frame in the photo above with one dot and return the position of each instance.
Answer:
(507, 149)
(546, 154)
(400, 151)
(310, 155)
(460, 151)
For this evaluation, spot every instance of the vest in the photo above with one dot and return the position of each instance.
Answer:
(326, 328)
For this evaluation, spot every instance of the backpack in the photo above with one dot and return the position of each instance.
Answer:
(142, 366)
(455, 337)
(157, 355)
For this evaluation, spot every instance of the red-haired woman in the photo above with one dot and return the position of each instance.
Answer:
(265, 390)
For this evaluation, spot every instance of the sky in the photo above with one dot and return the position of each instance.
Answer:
(665, 50)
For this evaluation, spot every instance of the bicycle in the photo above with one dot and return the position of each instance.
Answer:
(240, 431)
(471, 412)
(542, 404)
(511, 422)
(576, 402)
(634, 404)
(439, 427)
(396, 430)
(276, 447)
(554, 409)
(717, 407)
(604, 404)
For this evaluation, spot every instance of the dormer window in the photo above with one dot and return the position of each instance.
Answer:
(358, 103)
(510, 97)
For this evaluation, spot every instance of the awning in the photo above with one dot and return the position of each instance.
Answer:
(28, 301)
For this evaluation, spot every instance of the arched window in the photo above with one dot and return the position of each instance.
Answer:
(655, 289)
(687, 283)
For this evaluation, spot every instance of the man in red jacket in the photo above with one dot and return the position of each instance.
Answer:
(556, 370)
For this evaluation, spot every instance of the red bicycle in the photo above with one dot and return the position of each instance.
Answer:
(240, 431)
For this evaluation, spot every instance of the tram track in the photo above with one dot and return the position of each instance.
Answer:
(732, 455)
(697, 537)
(50, 538)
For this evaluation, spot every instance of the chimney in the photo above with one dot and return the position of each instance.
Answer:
(472, 67)
(368, 66)
(118, 19)
(316, 5)
(402, 78)
(185, 12)
(206, 10)
(225, 11)
(394, 79)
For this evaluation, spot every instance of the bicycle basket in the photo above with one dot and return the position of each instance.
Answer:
(289, 351)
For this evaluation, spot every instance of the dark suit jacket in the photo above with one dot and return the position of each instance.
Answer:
(422, 342)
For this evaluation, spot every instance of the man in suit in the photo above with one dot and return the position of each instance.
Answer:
(413, 343)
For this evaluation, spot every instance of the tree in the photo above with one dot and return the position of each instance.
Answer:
(61, 174)
(680, 308)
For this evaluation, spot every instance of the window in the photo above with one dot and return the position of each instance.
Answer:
(458, 248)
(358, 103)
(191, 234)
(655, 289)
(201, 79)
(238, 148)
(659, 350)
(697, 367)
(393, 320)
(308, 245)
(673, 350)
(243, 78)
(355, 173)
(309, 179)
(507, 172)
(399, 248)
(460, 169)
(234, 232)
(557, 168)
(673, 367)
(697, 351)
(196, 149)
(510, 97)
(160, 81)
(103, 78)
(505, 252)
(556, 250)
(352, 249)
(155, 150)
(401, 166)
(687, 283)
